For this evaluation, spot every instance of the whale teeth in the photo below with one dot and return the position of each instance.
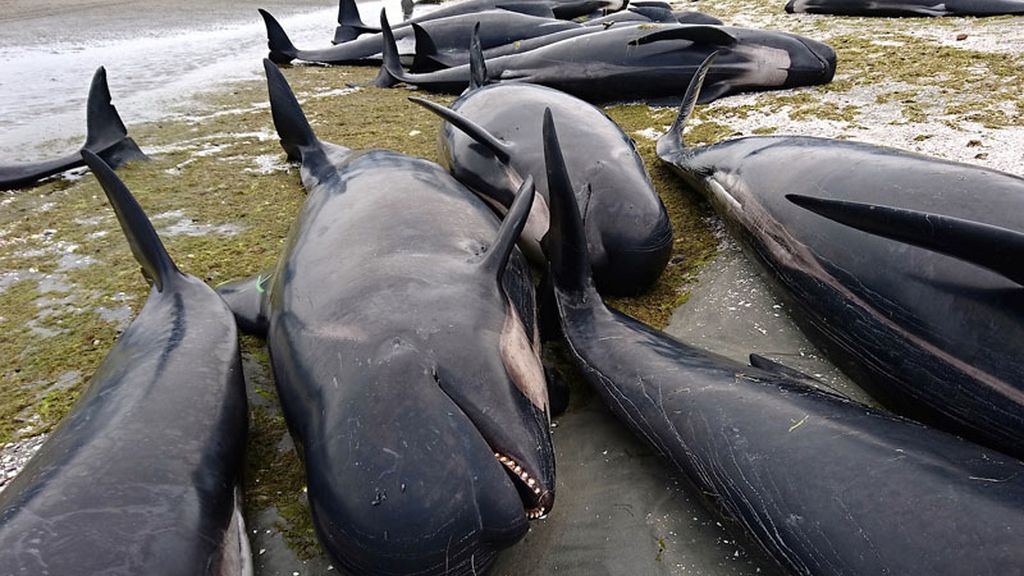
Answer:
(525, 477)
(536, 514)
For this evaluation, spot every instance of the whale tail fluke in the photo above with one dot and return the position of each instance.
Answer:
(672, 141)
(292, 126)
(106, 135)
(157, 265)
(998, 249)
(350, 25)
(565, 243)
(282, 51)
(391, 72)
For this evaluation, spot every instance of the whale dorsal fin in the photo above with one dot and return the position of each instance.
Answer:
(502, 150)
(282, 51)
(105, 131)
(425, 58)
(697, 34)
(477, 64)
(290, 121)
(103, 124)
(350, 25)
(565, 243)
(391, 71)
(673, 141)
(497, 256)
(146, 246)
(998, 249)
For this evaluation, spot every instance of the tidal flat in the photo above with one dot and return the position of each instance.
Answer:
(222, 195)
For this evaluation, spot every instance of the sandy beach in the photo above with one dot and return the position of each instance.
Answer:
(159, 57)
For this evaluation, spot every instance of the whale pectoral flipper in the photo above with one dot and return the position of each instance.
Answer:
(248, 301)
(502, 150)
(769, 365)
(106, 135)
(146, 246)
(998, 249)
(497, 256)
(235, 553)
(696, 34)
(539, 9)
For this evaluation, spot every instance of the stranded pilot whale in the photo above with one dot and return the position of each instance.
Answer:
(448, 34)
(350, 25)
(934, 334)
(827, 486)
(628, 230)
(630, 63)
(907, 7)
(106, 137)
(142, 476)
(400, 325)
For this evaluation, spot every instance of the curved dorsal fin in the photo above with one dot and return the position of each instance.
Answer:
(292, 126)
(145, 244)
(673, 141)
(496, 259)
(106, 134)
(391, 71)
(998, 249)
(282, 51)
(424, 59)
(103, 124)
(350, 25)
(502, 150)
(565, 243)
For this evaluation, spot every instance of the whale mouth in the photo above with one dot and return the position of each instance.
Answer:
(529, 488)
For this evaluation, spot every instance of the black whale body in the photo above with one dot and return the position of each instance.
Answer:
(142, 476)
(106, 136)
(932, 336)
(827, 486)
(645, 62)
(907, 7)
(404, 353)
(628, 229)
(639, 14)
(350, 24)
(450, 34)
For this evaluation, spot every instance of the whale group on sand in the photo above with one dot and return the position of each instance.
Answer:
(414, 309)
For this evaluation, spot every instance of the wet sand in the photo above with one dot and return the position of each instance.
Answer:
(160, 58)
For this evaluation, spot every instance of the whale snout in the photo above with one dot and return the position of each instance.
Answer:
(815, 65)
(631, 256)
